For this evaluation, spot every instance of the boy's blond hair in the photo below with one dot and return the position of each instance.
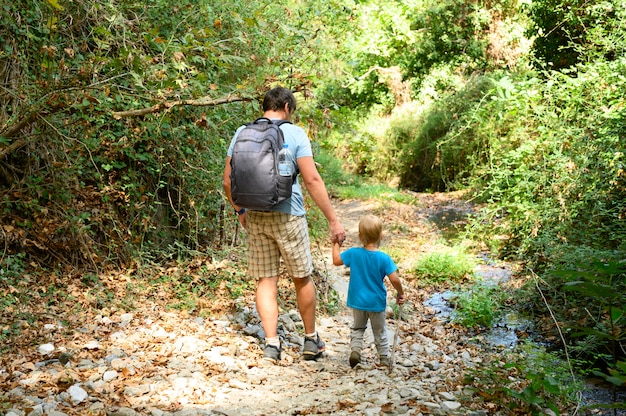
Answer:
(370, 230)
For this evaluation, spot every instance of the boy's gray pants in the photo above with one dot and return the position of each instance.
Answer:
(379, 329)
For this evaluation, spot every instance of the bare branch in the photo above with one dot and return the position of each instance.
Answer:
(201, 102)
(14, 129)
(13, 147)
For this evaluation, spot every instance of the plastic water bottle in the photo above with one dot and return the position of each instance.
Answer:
(285, 165)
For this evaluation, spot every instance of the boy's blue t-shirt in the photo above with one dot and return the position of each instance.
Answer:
(299, 146)
(366, 290)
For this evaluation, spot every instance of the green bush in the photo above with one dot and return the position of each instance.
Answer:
(99, 188)
(596, 293)
(564, 184)
(569, 32)
(445, 265)
(529, 380)
(479, 306)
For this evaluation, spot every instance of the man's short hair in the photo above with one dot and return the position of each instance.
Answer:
(276, 98)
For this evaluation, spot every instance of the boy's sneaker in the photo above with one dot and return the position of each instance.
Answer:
(355, 359)
(384, 361)
(313, 348)
(271, 353)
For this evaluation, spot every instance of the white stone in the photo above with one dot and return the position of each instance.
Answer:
(406, 392)
(33, 379)
(109, 375)
(77, 394)
(118, 364)
(45, 349)
(37, 411)
(372, 411)
(417, 348)
(127, 317)
(190, 344)
(125, 411)
(92, 345)
(118, 336)
(447, 396)
(450, 405)
(160, 333)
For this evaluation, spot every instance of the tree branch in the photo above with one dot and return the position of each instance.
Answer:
(14, 129)
(11, 131)
(13, 147)
(202, 102)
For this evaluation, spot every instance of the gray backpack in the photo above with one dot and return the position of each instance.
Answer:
(254, 179)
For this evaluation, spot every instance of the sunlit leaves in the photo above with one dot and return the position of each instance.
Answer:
(55, 4)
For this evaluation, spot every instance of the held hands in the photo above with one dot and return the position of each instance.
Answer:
(400, 299)
(338, 233)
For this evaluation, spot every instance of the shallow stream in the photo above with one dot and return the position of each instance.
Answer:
(505, 331)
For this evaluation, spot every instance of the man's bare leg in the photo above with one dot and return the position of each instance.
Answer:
(307, 299)
(267, 305)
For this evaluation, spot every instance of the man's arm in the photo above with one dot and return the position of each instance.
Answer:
(316, 188)
(226, 186)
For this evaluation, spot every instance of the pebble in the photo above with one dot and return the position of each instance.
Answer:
(77, 394)
(45, 349)
(109, 375)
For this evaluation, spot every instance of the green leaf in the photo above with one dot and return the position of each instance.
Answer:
(592, 289)
(554, 408)
(616, 380)
(55, 4)
(617, 314)
(551, 385)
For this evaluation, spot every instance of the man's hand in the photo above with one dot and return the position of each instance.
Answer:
(242, 219)
(338, 233)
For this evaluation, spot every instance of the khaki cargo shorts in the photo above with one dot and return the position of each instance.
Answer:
(274, 235)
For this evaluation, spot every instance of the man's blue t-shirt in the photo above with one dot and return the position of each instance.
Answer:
(299, 146)
(368, 269)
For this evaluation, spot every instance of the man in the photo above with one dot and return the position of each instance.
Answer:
(283, 232)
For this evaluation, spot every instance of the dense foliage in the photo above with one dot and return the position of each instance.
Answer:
(539, 136)
(116, 115)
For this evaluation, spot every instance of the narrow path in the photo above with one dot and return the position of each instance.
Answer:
(155, 362)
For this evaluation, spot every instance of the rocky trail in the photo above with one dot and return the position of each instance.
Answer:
(153, 361)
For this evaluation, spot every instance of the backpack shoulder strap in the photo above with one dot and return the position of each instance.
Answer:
(261, 120)
(281, 122)
(267, 120)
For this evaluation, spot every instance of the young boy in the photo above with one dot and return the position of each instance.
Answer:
(367, 295)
